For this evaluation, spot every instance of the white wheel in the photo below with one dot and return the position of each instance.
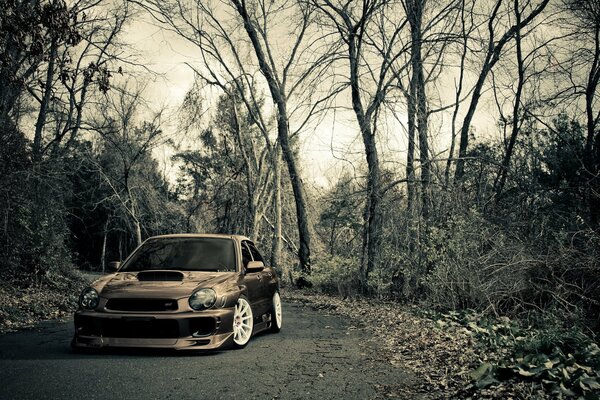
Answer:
(276, 313)
(243, 323)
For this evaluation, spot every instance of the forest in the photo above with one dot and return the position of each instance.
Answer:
(470, 134)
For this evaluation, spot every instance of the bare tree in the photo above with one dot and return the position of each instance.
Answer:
(76, 61)
(465, 32)
(288, 66)
(233, 128)
(583, 71)
(414, 11)
(492, 55)
(128, 145)
(371, 77)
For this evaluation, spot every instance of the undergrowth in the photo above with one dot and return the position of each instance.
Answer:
(564, 360)
(23, 306)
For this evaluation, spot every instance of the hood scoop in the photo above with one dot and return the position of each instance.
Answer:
(160, 276)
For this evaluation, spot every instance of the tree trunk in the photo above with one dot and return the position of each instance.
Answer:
(415, 17)
(592, 144)
(466, 125)
(465, 48)
(410, 154)
(138, 231)
(372, 221)
(298, 189)
(277, 232)
(103, 254)
(137, 227)
(372, 229)
(41, 119)
(516, 120)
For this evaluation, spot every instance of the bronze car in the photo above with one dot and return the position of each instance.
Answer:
(182, 292)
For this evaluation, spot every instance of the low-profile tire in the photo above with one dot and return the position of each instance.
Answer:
(276, 313)
(243, 323)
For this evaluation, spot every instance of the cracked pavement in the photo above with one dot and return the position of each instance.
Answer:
(315, 356)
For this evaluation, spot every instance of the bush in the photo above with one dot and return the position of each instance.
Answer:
(336, 275)
(473, 264)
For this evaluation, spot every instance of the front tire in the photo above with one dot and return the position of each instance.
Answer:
(276, 313)
(243, 323)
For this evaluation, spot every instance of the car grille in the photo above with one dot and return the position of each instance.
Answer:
(136, 327)
(128, 328)
(141, 305)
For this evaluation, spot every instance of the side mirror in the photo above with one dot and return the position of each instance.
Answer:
(255, 266)
(114, 265)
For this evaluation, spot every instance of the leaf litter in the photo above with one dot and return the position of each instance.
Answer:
(462, 355)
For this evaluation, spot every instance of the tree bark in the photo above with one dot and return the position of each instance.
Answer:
(103, 254)
(41, 119)
(592, 144)
(459, 89)
(277, 231)
(372, 221)
(415, 17)
(410, 154)
(516, 120)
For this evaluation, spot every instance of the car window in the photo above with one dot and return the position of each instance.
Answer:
(254, 251)
(184, 254)
(246, 255)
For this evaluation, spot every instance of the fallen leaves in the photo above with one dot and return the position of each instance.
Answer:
(24, 307)
(440, 360)
(459, 354)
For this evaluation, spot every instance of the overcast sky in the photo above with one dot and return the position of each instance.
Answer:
(326, 150)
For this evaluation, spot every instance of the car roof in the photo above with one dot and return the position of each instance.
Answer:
(201, 235)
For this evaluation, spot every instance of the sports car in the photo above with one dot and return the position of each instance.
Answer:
(186, 291)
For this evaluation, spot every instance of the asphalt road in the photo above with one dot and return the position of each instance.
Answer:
(315, 356)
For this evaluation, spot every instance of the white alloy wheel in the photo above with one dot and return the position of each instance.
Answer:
(276, 313)
(243, 322)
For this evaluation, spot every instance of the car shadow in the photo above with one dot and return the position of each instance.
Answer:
(134, 352)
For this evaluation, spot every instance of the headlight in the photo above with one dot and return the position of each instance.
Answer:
(202, 299)
(89, 299)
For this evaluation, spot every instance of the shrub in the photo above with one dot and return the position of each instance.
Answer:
(472, 264)
(336, 275)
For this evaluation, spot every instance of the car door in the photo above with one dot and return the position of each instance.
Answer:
(266, 277)
(253, 282)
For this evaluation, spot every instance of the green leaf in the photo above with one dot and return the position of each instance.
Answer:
(483, 370)
(526, 373)
(566, 391)
(583, 367)
(486, 381)
(591, 383)
(484, 376)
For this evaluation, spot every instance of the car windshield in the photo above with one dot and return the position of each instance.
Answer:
(184, 254)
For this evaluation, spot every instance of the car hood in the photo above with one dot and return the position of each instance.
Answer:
(127, 284)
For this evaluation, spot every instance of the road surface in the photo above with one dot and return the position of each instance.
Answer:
(315, 356)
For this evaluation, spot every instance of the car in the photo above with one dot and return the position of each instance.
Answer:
(183, 291)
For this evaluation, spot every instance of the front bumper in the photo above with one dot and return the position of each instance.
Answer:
(205, 330)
